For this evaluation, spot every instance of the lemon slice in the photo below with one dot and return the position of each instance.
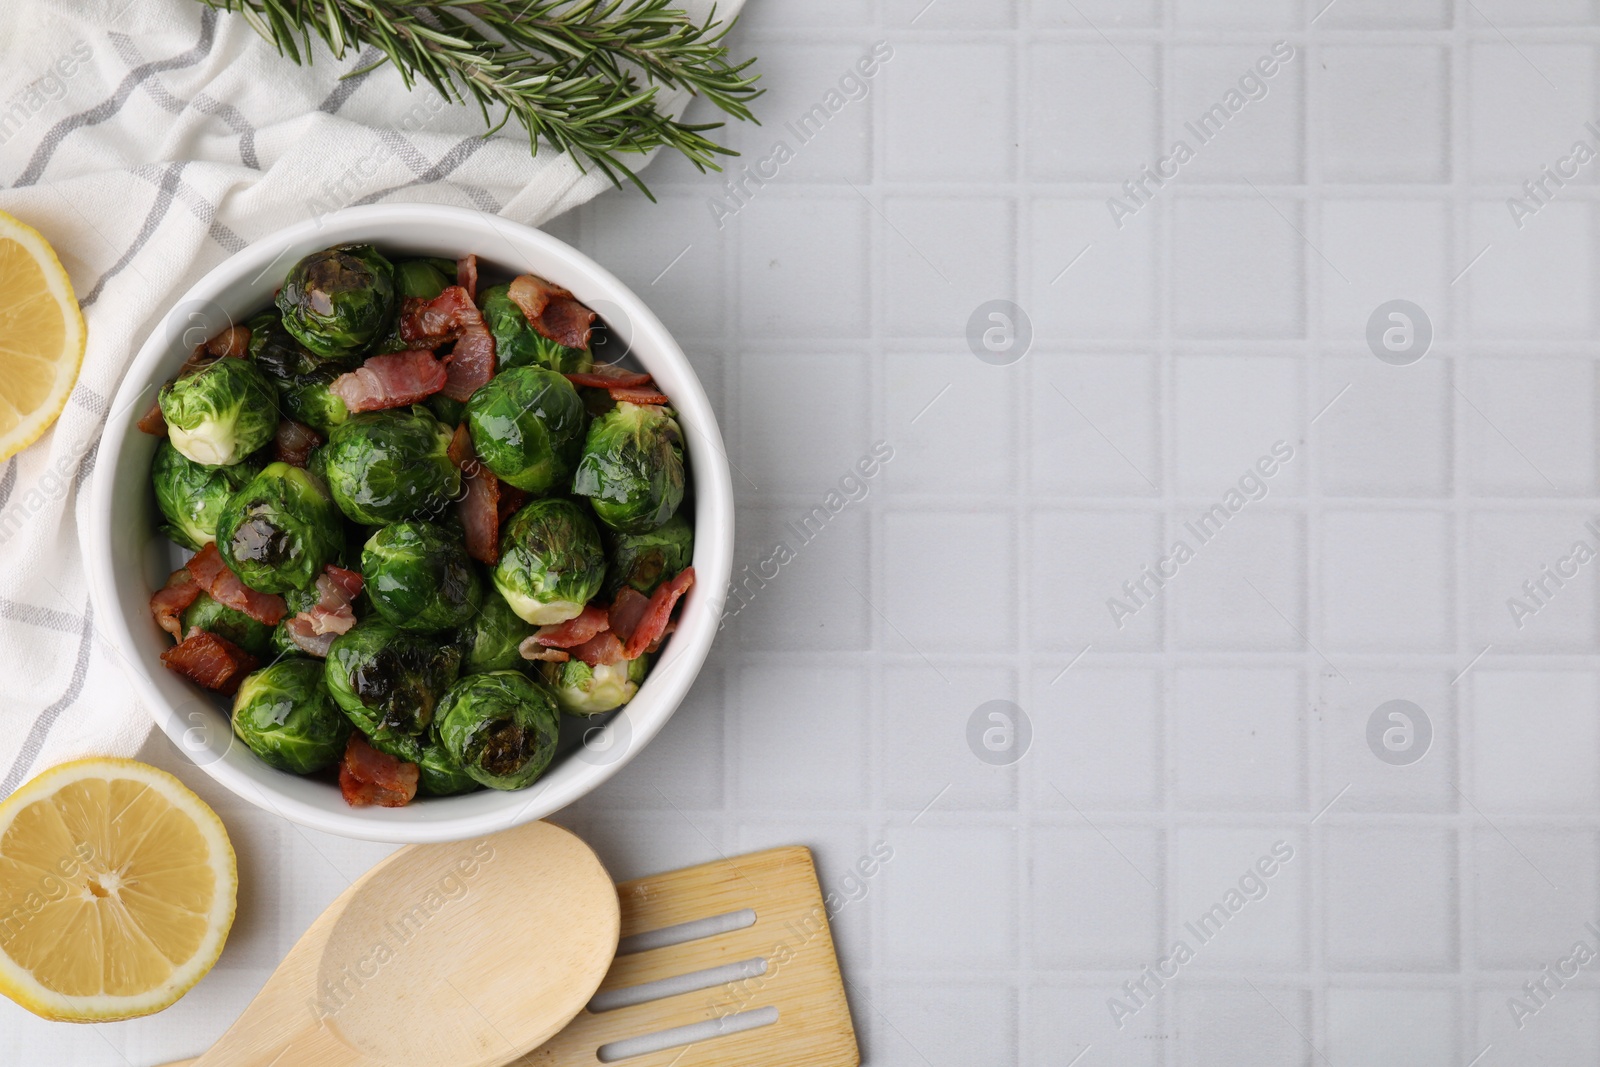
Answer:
(41, 336)
(117, 889)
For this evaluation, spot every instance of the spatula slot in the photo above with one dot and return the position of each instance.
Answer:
(681, 933)
(662, 988)
(726, 1026)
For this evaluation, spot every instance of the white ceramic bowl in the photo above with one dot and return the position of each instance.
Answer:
(128, 559)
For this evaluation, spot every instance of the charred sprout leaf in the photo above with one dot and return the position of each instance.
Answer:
(389, 681)
(645, 560)
(551, 563)
(385, 466)
(419, 577)
(284, 714)
(518, 344)
(492, 640)
(253, 636)
(191, 496)
(527, 427)
(584, 690)
(280, 530)
(501, 727)
(338, 301)
(632, 467)
(221, 412)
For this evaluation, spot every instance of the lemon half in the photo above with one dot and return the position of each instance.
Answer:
(41, 336)
(117, 889)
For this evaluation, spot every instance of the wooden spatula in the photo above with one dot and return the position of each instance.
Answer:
(457, 955)
(729, 964)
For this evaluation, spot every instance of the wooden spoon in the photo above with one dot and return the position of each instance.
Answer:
(466, 954)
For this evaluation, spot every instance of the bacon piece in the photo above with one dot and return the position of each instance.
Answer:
(656, 645)
(225, 587)
(608, 376)
(367, 776)
(626, 611)
(604, 647)
(460, 448)
(314, 629)
(479, 505)
(638, 394)
(212, 661)
(654, 624)
(467, 275)
(390, 380)
(575, 631)
(294, 441)
(551, 310)
(532, 649)
(152, 422)
(511, 501)
(173, 599)
(470, 363)
(431, 323)
(234, 341)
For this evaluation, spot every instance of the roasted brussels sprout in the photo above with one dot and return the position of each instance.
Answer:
(517, 344)
(306, 398)
(220, 412)
(191, 495)
(500, 726)
(584, 690)
(527, 427)
(389, 681)
(275, 352)
(551, 562)
(284, 713)
(491, 641)
(423, 278)
(632, 467)
(217, 618)
(280, 530)
(645, 560)
(384, 466)
(338, 301)
(418, 577)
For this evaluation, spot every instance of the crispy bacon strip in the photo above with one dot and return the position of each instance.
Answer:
(467, 275)
(390, 380)
(470, 363)
(431, 323)
(532, 649)
(152, 422)
(294, 441)
(552, 310)
(638, 394)
(653, 626)
(608, 376)
(626, 611)
(533, 294)
(367, 776)
(212, 661)
(511, 501)
(234, 342)
(314, 629)
(173, 599)
(479, 506)
(602, 648)
(225, 587)
(575, 631)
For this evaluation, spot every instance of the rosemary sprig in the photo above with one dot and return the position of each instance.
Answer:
(582, 75)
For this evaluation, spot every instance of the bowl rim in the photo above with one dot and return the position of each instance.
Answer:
(633, 726)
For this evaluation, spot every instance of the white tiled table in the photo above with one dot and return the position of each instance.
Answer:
(1231, 712)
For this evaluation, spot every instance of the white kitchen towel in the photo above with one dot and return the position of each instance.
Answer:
(147, 140)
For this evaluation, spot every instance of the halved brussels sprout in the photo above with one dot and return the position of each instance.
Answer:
(492, 639)
(584, 690)
(220, 412)
(280, 530)
(419, 577)
(338, 301)
(632, 467)
(527, 427)
(517, 344)
(191, 495)
(214, 617)
(389, 681)
(385, 466)
(284, 713)
(501, 727)
(645, 560)
(551, 563)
